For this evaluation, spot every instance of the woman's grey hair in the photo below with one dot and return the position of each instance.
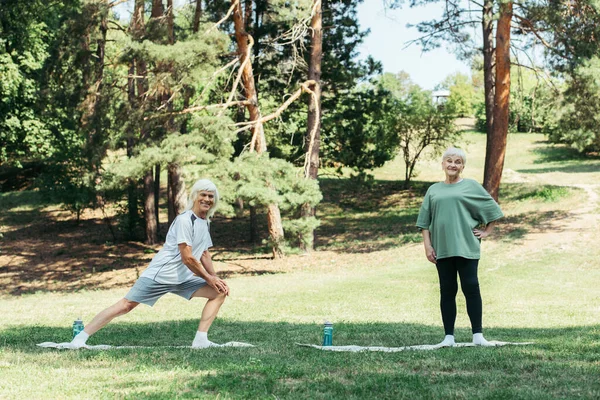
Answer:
(453, 151)
(199, 186)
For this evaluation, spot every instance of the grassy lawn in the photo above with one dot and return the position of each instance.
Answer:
(371, 279)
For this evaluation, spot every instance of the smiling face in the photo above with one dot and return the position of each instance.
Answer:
(453, 166)
(203, 203)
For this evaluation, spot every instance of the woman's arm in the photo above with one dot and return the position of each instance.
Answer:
(429, 250)
(483, 233)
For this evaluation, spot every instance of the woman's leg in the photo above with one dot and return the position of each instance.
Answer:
(469, 283)
(446, 268)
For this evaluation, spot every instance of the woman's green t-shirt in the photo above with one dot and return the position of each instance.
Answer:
(451, 211)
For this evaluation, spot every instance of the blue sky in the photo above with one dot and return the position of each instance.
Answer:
(389, 36)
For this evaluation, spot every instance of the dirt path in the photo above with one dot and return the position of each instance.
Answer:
(579, 223)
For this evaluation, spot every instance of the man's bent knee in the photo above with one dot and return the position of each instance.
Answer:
(220, 297)
(127, 305)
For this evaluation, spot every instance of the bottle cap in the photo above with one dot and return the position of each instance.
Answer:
(327, 323)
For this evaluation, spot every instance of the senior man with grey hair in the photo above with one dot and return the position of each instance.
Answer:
(183, 266)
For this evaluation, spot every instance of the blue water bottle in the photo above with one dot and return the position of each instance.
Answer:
(77, 326)
(328, 334)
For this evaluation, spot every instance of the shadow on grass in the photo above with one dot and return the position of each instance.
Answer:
(588, 166)
(561, 360)
(547, 152)
(364, 218)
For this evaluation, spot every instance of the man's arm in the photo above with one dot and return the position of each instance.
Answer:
(206, 261)
(204, 270)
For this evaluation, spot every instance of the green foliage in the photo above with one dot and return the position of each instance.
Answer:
(578, 119)
(361, 134)
(462, 94)
(259, 180)
(533, 102)
(417, 122)
(28, 30)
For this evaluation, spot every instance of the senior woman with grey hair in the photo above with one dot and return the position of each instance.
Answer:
(455, 215)
(183, 267)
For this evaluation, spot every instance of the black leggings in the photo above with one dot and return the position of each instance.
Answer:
(467, 269)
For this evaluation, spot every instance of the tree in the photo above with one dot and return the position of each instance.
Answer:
(496, 139)
(570, 31)
(258, 142)
(453, 27)
(364, 130)
(420, 125)
(312, 141)
(462, 93)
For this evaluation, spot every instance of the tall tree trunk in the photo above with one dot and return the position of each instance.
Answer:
(258, 141)
(488, 64)
(158, 9)
(170, 22)
(157, 194)
(138, 29)
(312, 141)
(91, 114)
(176, 192)
(176, 185)
(197, 16)
(496, 146)
(132, 212)
(149, 211)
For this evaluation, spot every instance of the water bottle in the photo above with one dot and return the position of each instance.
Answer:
(77, 326)
(328, 334)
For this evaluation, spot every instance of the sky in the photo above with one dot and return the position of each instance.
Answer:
(388, 39)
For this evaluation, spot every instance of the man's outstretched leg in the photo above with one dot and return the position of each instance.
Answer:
(214, 303)
(121, 307)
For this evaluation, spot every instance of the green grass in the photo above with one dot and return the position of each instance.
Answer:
(371, 279)
(390, 300)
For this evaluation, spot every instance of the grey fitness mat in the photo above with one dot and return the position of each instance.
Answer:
(355, 349)
(67, 346)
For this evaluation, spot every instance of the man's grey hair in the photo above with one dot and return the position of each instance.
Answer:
(453, 151)
(199, 186)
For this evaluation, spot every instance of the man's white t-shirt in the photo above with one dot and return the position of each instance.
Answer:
(166, 267)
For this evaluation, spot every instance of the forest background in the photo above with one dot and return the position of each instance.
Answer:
(322, 160)
(96, 112)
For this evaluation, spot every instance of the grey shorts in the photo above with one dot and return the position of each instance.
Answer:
(148, 291)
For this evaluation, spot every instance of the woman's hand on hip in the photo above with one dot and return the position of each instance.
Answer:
(430, 253)
(480, 233)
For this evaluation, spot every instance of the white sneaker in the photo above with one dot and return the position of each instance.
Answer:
(479, 340)
(447, 342)
(204, 345)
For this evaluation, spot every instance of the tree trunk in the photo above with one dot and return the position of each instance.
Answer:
(197, 16)
(170, 22)
(258, 140)
(488, 63)
(149, 211)
(312, 140)
(138, 29)
(157, 194)
(158, 9)
(253, 225)
(132, 212)
(496, 145)
(176, 192)
(91, 113)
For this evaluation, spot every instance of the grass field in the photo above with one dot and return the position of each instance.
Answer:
(539, 277)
